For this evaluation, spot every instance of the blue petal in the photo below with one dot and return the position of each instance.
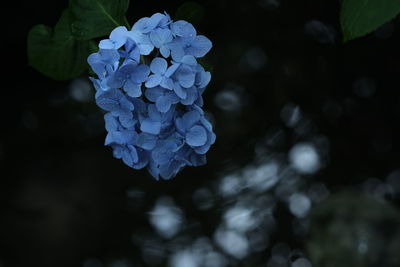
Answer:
(160, 37)
(97, 85)
(140, 73)
(165, 21)
(126, 103)
(153, 169)
(179, 125)
(163, 103)
(153, 113)
(163, 152)
(177, 52)
(130, 156)
(111, 122)
(201, 46)
(202, 149)
(165, 51)
(132, 51)
(140, 105)
(171, 70)
(106, 103)
(145, 49)
(189, 60)
(117, 151)
(205, 78)
(118, 36)
(179, 91)
(132, 89)
(142, 41)
(116, 81)
(146, 141)
(95, 62)
(154, 21)
(141, 24)
(172, 96)
(171, 169)
(199, 101)
(192, 95)
(186, 76)
(190, 118)
(183, 29)
(118, 78)
(106, 44)
(115, 138)
(127, 120)
(153, 93)
(151, 127)
(142, 161)
(212, 138)
(153, 80)
(158, 65)
(196, 136)
(206, 124)
(167, 83)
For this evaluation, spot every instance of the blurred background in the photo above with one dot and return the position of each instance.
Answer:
(305, 171)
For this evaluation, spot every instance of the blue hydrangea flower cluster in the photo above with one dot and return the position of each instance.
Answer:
(150, 85)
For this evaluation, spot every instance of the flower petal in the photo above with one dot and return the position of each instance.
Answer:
(140, 73)
(201, 46)
(171, 70)
(106, 44)
(202, 149)
(183, 28)
(192, 95)
(111, 122)
(130, 156)
(186, 76)
(163, 104)
(159, 37)
(190, 118)
(196, 136)
(163, 152)
(107, 102)
(153, 113)
(151, 127)
(153, 93)
(169, 170)
(167, 83)
(180, 92)
(153, 80)
(158, 65)
(118, 36)
(132, 89)
(146, 141)
(165, 51)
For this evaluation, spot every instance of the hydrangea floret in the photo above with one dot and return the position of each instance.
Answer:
(150, 85)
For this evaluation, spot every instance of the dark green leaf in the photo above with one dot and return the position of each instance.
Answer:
(56, 53)
(190, 11)
(359, 17)
(96, 18)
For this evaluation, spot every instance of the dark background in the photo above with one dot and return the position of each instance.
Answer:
(65, 201)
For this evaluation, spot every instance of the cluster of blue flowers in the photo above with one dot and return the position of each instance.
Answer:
(150, 85)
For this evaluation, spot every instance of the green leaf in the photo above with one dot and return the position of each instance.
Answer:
(96, 18)
(190, 11)
(56, 53)
(359, 17)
